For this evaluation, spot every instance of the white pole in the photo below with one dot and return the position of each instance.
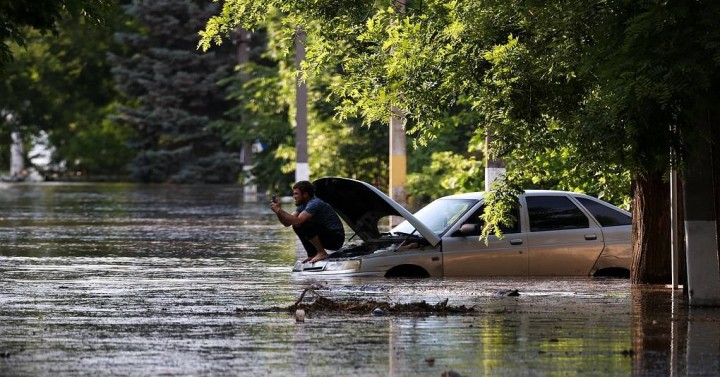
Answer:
(17, 158)
(249, 186)
(398, 150)
(494, 167)
(674, 234)
(302, 169)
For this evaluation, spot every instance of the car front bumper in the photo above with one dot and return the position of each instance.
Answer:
(343, 267)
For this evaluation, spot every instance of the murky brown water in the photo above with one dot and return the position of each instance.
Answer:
(145, 280)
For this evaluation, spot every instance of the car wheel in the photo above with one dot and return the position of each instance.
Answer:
(407, 271)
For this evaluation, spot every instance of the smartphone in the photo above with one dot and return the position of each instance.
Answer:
(274, 199)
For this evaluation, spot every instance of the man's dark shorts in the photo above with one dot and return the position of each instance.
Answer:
(330, 239)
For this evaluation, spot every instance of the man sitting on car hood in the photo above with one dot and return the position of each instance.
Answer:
(316, 224)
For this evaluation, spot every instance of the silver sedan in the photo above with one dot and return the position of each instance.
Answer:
(557, 234)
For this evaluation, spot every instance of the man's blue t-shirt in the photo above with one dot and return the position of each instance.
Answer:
(322, 214)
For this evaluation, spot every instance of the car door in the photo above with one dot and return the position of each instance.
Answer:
(562, 239)
(464, 254)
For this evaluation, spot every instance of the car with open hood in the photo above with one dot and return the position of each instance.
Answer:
(558, 233)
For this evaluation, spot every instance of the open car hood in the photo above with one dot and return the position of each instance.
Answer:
(361, 206)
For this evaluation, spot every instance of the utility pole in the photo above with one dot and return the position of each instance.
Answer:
(398, 149)
(494, 167)
(17, 156)
(17, 152)
(246, 154)
(398, 158)
(674, 230)
(302, 169)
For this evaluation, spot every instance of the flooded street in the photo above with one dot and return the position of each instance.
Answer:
(120, 279)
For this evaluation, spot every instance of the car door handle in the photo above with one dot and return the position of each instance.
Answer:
(590, 237)
(516, 241)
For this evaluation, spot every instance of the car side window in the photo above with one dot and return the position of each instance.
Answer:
(475, 219)
(554, 213)
(605, 215)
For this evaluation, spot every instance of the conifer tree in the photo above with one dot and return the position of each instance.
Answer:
(174, 95)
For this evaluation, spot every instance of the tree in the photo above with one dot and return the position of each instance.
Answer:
(435, 71)
(174, 95)
(42, 16)
(599, 83)
(618, 78)
(264, 92)
(61, 85)
(259, 114)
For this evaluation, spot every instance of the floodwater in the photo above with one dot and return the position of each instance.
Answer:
(130, 280)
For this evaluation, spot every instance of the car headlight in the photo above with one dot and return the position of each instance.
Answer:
(343, 265)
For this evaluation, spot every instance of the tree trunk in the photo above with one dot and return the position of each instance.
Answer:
(651, 261)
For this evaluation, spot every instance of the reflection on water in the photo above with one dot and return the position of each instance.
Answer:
(670, 339)
(109, 279)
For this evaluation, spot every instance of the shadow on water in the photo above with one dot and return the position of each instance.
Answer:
(117, 279)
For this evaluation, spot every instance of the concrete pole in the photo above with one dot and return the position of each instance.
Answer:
(398, 149)
(398, 158)
(701, 243)
(17, 156)
(246, 154)
(302, 169)
(494, 167)
(674, 231)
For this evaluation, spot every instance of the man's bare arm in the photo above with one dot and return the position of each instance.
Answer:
(289, 219)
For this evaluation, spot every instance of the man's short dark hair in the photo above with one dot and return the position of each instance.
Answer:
(305, 187)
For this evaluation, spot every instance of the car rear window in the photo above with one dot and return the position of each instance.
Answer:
(554, 213)
(605, 215)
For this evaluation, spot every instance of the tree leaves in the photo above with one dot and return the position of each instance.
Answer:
(578, 93)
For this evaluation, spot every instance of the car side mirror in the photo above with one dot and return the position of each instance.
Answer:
(467, 230)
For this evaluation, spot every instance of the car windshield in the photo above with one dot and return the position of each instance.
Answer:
(438, 215)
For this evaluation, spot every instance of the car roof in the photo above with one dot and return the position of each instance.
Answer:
(481, 194)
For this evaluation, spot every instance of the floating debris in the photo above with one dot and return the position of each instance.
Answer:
(627, 353)
(507, 293)
(378, 312)
(323, 304)
(300, 315)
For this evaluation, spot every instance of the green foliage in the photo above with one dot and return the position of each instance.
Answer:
(174, 95)
(349, 149)
(43, 16)
(448, 173)
(62, 85)
(580, 95)
(498, 208)
(96, 151)
(264, 93)
(260, 114)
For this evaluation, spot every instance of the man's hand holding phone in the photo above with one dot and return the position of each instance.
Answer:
(274, 206)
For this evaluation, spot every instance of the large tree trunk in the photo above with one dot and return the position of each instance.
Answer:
(651, 262)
